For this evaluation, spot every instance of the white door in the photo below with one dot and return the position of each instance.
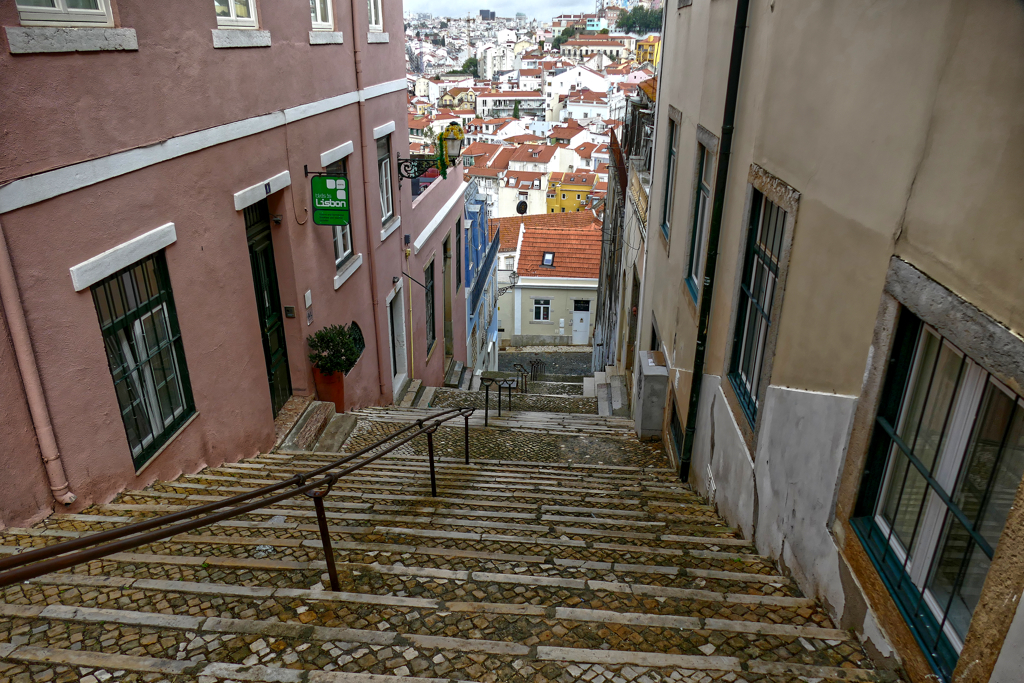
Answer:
(581, 321)
(396, 341)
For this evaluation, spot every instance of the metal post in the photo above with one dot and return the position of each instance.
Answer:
(487, 403)
(467, 438)
(430, 454)
(325, 538)
(499, 399)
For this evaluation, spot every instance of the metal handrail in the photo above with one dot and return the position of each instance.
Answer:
(34, 563)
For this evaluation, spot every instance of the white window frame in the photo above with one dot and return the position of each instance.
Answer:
(322, 23)
(61, 15)
(342, 244)
(387, 199)
(375, 15)
(233, 21)
(539, 309)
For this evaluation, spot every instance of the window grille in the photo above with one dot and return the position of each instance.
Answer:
(144, 353)
(945, 461)
(754, 308)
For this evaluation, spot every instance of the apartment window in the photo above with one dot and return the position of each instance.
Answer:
(387, 202)
(342, 233)
(65, 12)
(945, 460)
(549, 258)
(542, 309)
(701, 212)
(376, 18)
(578, 196)
(144, 353)
(670, 176)
(563, 195)
(235, 13)
(321, 13)
(467, 162)
(754, 309)
(428, 281)
(458, 254)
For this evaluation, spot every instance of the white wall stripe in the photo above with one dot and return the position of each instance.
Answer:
(336, 154)
(88, 273)
(254, 193)
(381, 131)
(422, 238)
(50, 184)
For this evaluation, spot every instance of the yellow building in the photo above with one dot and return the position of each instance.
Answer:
(568, 192)
(649, 50)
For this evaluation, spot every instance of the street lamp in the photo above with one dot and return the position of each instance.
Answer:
(450, 149)
(513, 279)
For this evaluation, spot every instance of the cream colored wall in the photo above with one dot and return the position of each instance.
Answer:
(561, 309)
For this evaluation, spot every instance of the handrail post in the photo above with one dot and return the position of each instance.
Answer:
(499, 399)
(325, 538)
(487, 403)
(430, 455)
(466, 416)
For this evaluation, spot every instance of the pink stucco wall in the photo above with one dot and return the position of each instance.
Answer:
(178, 83)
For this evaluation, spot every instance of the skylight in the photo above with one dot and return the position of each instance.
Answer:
(549, 258)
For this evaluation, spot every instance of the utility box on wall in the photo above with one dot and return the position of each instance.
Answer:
(651, 392)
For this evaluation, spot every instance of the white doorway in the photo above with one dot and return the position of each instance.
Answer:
(396, 339)
(581, 321)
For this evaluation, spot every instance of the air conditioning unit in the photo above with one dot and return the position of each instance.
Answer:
(651, 394)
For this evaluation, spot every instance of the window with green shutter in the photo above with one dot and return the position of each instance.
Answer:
(144, 352)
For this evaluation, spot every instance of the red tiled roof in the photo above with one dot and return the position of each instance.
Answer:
(586, 149)
(484, 149)
(529, 72)
(526, 153)
(512, 94)
(584, 178)
(484, 171)
(510, 225)
(650, 88)
(523, 180)
(577, 250)
(501, 159)
(601, 168)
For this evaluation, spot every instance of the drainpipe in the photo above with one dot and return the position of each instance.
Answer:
(367, 196)
(714, 232)
(30, 378)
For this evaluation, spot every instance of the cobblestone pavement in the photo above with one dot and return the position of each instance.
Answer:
(551, 557)
(453, 398)
(573, 363)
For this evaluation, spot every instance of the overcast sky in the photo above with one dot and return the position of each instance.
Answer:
(542, 10)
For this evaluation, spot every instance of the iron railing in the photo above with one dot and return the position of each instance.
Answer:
(71, 553)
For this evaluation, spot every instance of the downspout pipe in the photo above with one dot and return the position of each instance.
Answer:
(368, 157)
(714, 233)
(22, 343)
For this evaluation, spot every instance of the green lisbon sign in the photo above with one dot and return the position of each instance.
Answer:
(330, 200)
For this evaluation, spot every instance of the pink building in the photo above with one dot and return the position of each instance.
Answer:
(160, 270)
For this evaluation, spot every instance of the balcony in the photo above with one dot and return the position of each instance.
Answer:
(639, 187)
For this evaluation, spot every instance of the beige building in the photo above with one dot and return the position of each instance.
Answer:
(836, 288)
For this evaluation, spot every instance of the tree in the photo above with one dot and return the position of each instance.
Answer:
(444, 24)
(515, 110)
(568, 33)
(640, 20)
(603, 31)
(472, 66)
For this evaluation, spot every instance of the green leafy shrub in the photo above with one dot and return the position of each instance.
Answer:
(336, 348)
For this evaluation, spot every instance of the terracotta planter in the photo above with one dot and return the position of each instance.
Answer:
(331, 388)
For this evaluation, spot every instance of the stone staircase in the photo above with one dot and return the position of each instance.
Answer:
(564, 552)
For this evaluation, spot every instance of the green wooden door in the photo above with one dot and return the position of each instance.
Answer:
(268, 302)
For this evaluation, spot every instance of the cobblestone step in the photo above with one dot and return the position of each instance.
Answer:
(569, 552)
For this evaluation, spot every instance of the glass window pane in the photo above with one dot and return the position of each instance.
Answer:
(242, 10)
(708, 164)
(312, 10)
(83, 4)
(222, 7)
(51, 4)
(325, 11)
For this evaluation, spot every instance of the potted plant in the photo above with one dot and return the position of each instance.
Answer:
(334, 351)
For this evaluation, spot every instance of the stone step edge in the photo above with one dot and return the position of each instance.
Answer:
(240, 672)
(193, 668)
(237, 672)
(447, 574)
(519, 540)
(366, 598)
(283, 629)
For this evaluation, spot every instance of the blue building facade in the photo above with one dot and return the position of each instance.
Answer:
(481, 265)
